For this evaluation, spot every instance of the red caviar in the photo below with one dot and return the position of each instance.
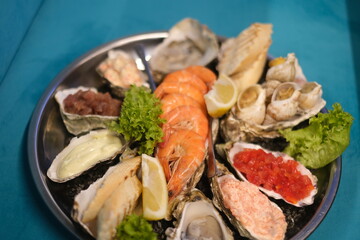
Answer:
(273, 173)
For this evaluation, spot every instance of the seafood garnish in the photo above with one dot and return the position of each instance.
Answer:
(75, 123)
(243, 58)
(120, 71)
(249, 210)
(189, 43)
(83, 153)
(275, 173)
(197, 218)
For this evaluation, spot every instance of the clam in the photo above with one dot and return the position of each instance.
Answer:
(95, 201)
(284, 101)
(83, 153)
(189, 43)
(120, 71)
(290, 180)
(249, 211)
(251, 104)
(76, 123)
(197, 218)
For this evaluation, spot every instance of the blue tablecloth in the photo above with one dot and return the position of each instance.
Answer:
(39, 39)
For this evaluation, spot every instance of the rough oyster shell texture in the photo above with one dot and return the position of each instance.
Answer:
(197, 217)
(189, 43)
(289, 101)
(77, 124)
(253, 215)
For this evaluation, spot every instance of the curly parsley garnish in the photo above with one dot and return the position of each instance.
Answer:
(139, 119)
(135, 227)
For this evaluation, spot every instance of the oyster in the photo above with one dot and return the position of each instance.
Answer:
(249, 211)
(251, 104)
(75, 123)
(189, 43)
(89, 202)
(197, 218)
(120, 71)
(285, 179)
(83, 153)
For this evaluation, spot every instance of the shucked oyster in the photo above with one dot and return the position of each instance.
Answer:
(83, 153)
(76, 123)
(250, 211)
(274, 173)
(189, 43)
(120, 71)
(197, 218)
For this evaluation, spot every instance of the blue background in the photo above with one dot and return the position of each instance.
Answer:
(41, 37)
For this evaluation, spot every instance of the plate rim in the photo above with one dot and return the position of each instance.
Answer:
(37, 117)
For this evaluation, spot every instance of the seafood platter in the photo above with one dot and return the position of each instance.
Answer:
(209, 154)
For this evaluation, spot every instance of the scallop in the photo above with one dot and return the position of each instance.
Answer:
(282, 163)
(78, 124)
(83, 153)
(251, 104)
(189, 43)
(249, 211)
(197, 218)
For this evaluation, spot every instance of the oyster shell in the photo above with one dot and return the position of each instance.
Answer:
(231, 149)
(77, 124)
(249, 211)
(251, 104)
(83, 153)
(120, 71)
(89, 202)
(189, 43)
(197, 218)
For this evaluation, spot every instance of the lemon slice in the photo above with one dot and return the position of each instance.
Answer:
(155, 194)
(221, 97)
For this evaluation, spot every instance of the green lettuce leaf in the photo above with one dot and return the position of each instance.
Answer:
(326, 138)
(135, 227)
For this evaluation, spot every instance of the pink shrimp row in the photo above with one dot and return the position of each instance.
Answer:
(185, 131)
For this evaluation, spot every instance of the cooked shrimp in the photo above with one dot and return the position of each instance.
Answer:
(186, 117)
(204, 73)
(179, 87)
(187, 77)
(181, 155)
(171, 101)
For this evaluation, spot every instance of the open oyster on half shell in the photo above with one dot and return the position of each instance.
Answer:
(119, 71)
(82, 153)
(250, 211)
(197, 218)
(81, 123)
(189, 43)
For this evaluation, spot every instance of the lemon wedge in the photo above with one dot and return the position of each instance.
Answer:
(221, 97)
(155, 194)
